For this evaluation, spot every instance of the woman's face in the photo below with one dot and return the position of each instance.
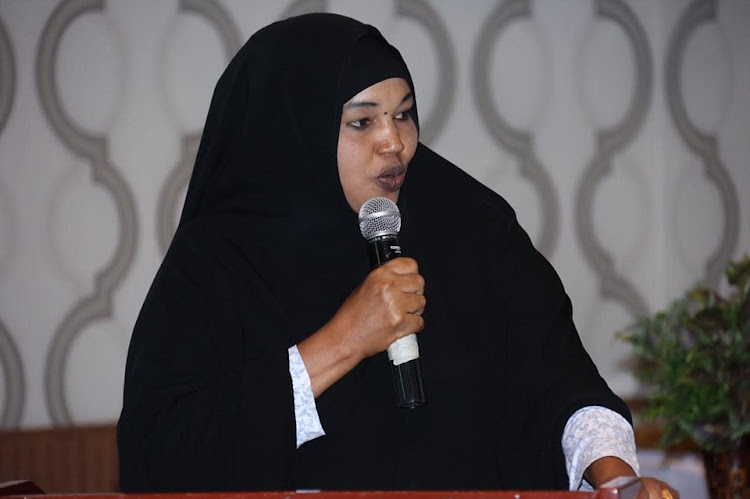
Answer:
(377, 140)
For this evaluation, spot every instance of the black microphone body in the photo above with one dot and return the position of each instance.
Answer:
(407, 375)
(383, 249)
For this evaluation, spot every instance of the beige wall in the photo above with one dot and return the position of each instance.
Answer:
(619, 130)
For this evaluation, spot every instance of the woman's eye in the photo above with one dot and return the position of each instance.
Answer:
(402, 116)
(360, 124)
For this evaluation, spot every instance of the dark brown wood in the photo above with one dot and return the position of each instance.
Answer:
(728, 472)
(626, 493)
(60, 460)
(19, 487)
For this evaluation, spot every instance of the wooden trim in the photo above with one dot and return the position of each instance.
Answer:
(60, 460)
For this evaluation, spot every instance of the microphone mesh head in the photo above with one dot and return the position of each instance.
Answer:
(379, 217)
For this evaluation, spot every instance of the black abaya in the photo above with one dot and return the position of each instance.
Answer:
(266, 251)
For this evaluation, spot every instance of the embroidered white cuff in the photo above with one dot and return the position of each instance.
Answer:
(305, 412)
(592, 433)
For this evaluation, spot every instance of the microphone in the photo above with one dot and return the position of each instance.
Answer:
(379, 223)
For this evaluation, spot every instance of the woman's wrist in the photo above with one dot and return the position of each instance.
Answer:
(605, 469)
(326, 358)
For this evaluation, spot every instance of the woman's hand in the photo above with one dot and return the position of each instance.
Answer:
(656, 489)
(388, 305)
(602, 471)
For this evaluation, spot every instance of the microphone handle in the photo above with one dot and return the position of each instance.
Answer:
(404, 352)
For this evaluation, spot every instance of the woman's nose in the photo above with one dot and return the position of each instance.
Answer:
(390, 141)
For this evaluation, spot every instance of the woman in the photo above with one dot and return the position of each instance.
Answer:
(265, 323)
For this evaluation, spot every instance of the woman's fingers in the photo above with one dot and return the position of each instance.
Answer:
(417, 304)
(387, 306)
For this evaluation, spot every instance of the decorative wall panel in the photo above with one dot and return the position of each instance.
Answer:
(609, 142)
(10, 359)
(519, 142)
(703, 144)
(94, 149)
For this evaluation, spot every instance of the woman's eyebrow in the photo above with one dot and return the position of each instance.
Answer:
(364, 103)
(360, 103)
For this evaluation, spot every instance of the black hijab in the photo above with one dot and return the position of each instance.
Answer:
(266, 251)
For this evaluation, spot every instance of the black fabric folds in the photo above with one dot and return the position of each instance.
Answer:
(266, 251)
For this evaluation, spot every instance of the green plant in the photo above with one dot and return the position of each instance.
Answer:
(695, 356)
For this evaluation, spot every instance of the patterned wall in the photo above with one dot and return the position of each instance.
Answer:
(618, 129)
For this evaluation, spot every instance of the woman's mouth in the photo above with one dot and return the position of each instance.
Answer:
(392, 179)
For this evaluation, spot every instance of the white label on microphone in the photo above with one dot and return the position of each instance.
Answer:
(403, 350)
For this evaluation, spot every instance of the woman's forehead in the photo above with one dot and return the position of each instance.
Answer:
(388, 91)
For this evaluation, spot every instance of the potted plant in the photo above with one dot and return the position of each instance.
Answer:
(694, 356)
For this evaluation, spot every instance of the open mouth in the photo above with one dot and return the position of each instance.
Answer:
(392, 178)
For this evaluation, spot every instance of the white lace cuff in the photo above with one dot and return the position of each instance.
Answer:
(305, 413)
(592, 433)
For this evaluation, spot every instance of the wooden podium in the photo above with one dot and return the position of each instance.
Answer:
(28, 490)
(81, 463)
